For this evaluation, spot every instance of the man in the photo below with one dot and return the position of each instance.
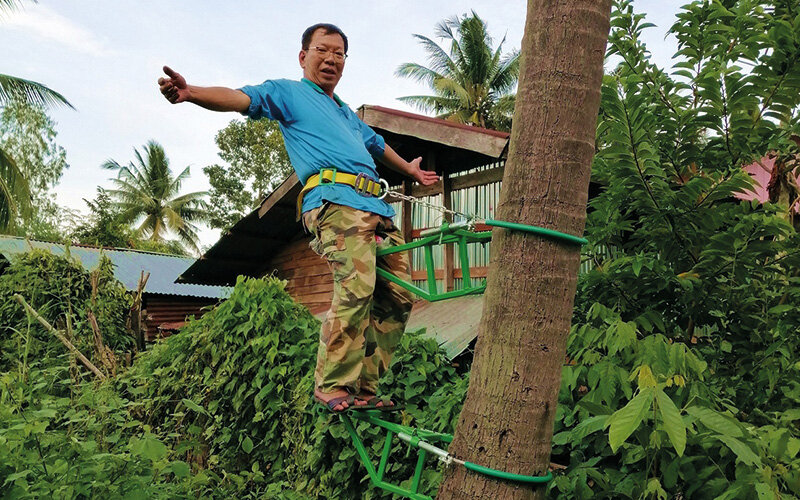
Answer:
(368, 314)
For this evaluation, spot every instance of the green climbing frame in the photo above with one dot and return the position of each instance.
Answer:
(421, 440)
(461, 235)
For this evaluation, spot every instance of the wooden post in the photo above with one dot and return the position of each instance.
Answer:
(449, 249)
(407, 220)
(60, 336)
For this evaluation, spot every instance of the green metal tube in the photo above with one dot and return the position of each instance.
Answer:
(360, 449)
(431, 270)
(418, 471)
(411, 287)
(387, 448)
(519, 478)
(445, 228)
(549, 233)
(466, 280)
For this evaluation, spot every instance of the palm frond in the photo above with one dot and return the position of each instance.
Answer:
(34, 93)
(507, 74)
(10, 5)
(447, 87)
(417, 72)
(15, 194)
(468, 78)
(440, 61)
(175, 185)
(431, 103)
(476, 47)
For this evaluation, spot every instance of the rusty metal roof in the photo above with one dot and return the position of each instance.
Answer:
(128, 265)
(247, 246)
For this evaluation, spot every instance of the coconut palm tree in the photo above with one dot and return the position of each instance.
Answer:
(473, 82)
(148, 194)
(15, 193)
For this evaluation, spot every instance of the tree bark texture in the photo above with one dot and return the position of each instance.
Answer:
(507, 420)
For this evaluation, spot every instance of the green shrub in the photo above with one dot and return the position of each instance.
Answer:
(60, 289)
(684, 379)
(233, 391)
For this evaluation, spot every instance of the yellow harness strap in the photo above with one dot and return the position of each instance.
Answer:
(363, 185)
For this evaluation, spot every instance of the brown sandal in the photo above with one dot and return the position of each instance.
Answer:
(372, 403)
(330, 405)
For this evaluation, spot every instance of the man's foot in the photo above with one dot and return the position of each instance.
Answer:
(371, 401)
(337, 400)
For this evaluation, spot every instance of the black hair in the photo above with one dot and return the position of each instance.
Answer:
(329, 28)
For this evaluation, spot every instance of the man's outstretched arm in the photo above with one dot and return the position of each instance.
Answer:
(410, 168)
(175, 90)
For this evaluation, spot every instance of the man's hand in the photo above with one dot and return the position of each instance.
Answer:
(173, 88)
(424, 177)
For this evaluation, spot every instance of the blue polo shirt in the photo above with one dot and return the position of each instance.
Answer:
(320, 132)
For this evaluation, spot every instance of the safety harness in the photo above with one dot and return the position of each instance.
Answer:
(362, 183)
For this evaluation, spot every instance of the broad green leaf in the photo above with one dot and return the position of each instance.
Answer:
(593, 407)
(627, 419)
(765, 492)
(742, 451)
(149, 447)
(715, 421)
(247, 444)
(671, 419)
(179, 468)
(637, 266)
(194, 406)
(589, 426)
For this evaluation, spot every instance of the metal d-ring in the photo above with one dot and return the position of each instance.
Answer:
(385, 188)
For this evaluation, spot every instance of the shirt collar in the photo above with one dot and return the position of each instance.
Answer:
(319, 89)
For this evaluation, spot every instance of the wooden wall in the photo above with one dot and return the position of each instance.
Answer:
(309, 279)
(170, 309)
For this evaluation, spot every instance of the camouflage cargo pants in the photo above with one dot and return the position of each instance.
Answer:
(368, 314)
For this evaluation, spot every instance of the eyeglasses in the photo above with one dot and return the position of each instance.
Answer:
(323, 52)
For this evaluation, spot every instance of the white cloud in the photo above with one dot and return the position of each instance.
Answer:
(54, 27)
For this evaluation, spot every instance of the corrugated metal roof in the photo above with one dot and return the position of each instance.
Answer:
(453, 322)
(128, 265)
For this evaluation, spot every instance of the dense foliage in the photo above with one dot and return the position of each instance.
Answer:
(15, 189)
(61, 291)
(684, 379)
(31, 164)
(257, 164)
(104, 226)
(222, 409)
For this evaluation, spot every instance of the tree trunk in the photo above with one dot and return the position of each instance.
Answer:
(507, 420)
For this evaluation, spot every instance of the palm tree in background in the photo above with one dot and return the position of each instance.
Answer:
(472, 83)
(15, 193)
(146, 191)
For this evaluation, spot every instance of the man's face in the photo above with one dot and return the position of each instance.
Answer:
(325, 70)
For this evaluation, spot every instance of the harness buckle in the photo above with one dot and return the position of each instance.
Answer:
(364, 184)
(324, 178)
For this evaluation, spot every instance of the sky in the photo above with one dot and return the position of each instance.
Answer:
(105, 57)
